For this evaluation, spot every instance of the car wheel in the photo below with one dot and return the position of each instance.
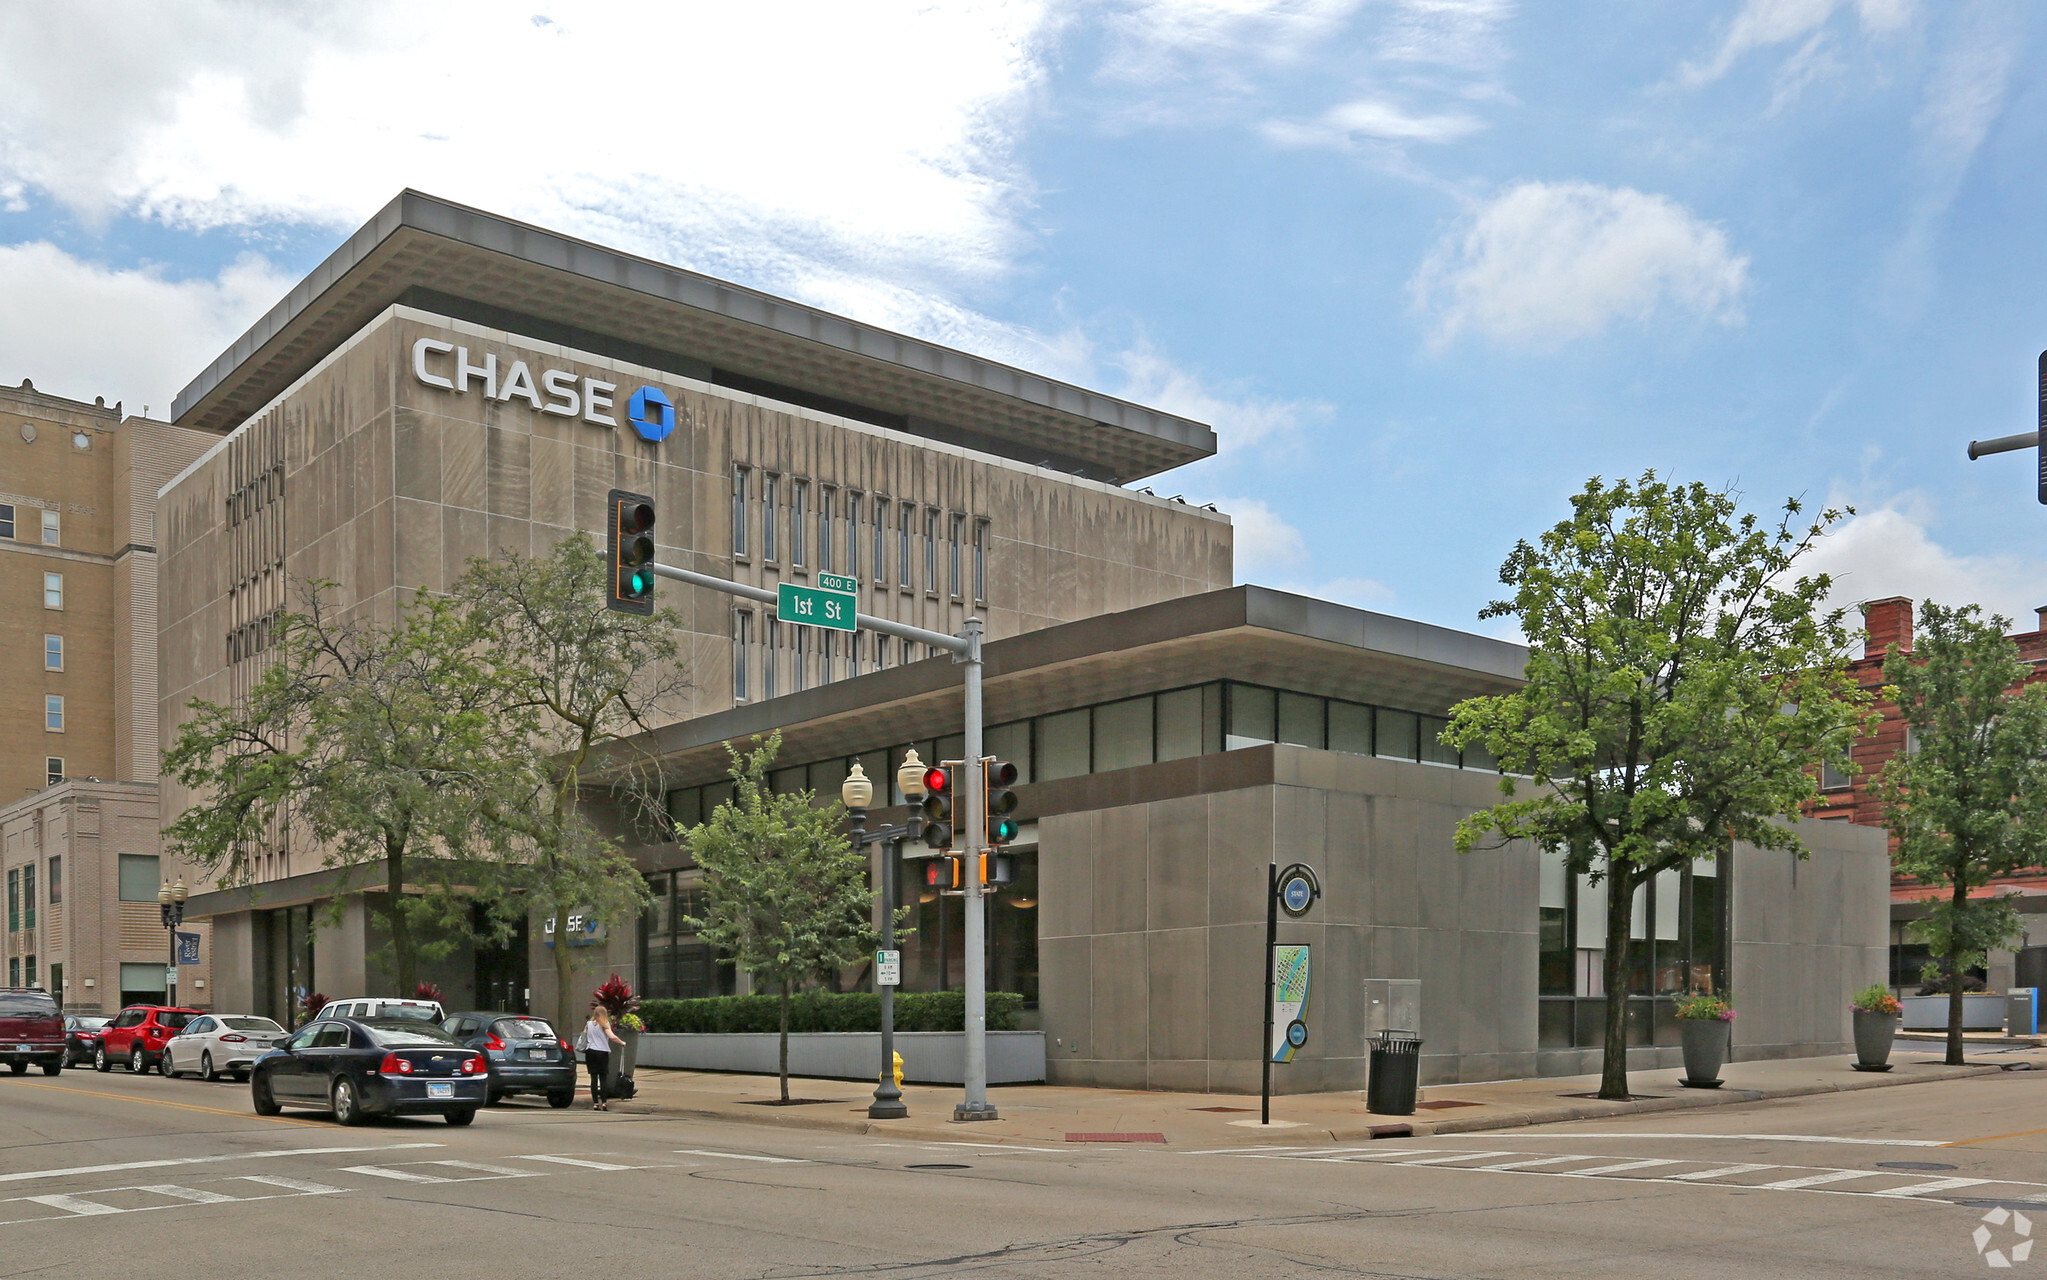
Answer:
(561, 1098)
(163, 1065)
(462, 1115)
(206, 1071)
(493, 1098)
(260, 1097)
(100, 1061)
(138, 1061)
(18, 1068)
(347, 1107)
(53, 1068)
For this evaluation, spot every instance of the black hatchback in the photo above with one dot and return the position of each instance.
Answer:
(359, 1068)
(524, 1053)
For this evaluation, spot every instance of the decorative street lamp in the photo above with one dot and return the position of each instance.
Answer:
(171, 901)
(856, 793)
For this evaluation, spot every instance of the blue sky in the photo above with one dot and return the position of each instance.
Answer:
(1425, 264)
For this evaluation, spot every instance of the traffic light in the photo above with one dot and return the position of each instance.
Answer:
(944, 873)
(937, 806)
(997, 777)
(630, 551)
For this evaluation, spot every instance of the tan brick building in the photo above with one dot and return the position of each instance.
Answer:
(78, 575)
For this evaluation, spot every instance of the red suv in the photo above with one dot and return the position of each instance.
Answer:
(137, 1034)
(31, 1030)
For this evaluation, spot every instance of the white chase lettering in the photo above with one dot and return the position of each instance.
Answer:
(558, 391)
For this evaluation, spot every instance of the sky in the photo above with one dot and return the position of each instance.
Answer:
(1425, 265)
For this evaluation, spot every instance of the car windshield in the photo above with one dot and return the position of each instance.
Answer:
(173, 1020)
(406, 1033)
(252, 1024)
(86, 1022)
(407, 1009)
(26, 1004)
(523, 1029)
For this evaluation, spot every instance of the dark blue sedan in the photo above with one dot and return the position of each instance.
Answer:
(363, 1067)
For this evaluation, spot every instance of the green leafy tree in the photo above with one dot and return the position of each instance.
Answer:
(374, 742)
(1968, 802)
(578, 680)
(1681, 685)
(786, 894)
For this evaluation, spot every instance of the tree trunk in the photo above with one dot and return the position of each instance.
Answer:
(1620, 916)
(564, 1002)
(394, 914)
(785, 1039)
(1956, 998)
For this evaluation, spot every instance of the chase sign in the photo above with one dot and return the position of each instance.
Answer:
(560, 392)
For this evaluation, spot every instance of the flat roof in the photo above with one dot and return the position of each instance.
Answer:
(511, 271)
(1246, 633)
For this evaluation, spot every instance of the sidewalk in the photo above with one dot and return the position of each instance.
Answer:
(1048, 1114)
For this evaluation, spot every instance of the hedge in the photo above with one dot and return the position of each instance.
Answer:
(826, 1011)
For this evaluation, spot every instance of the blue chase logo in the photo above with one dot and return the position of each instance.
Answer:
(651, 413)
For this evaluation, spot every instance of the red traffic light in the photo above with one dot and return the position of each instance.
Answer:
(937, 781)
(635, 517)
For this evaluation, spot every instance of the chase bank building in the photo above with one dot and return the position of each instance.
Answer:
(452, 385)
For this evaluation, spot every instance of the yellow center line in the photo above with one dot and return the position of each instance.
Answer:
(181, 1106)
(2029, 1133)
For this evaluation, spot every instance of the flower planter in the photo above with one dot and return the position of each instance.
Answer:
(1705, 1044)
(1873, 1035)
(623, 1058)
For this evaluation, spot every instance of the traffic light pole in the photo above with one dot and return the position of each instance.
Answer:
(966, 650)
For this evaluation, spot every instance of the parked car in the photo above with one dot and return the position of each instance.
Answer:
(524, 1053)
(82, 1036)
(384, 1007)
(363, 1067)
(217, 1042)
(137, 1034)
(31, 1030)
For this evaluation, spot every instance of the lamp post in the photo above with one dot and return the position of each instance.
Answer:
(171, 901)
(856, 793)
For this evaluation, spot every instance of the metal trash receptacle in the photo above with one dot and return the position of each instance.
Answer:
(1395, 1069)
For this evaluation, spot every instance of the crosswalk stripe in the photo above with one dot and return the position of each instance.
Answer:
(1622, 1167)
(396, 1175)
(188, 1193)
(1461, 1155)
(1822, 1179)
(496, 1170)
(1534, 1164)
(733, 1155)
(1938, 1184)
(69, 1204)
(295, 1184)
(1724, 1171)
(580, 1164)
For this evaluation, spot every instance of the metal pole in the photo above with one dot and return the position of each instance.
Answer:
(1271, 943)
(888, 1100)
(975, 1106)
(2003, 444)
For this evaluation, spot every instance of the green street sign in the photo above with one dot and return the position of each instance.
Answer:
(833, 582)
(810, 607)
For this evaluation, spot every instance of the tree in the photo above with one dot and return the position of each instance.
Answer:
(1967, 801)
(786, 894)
(373, 740)
(577, 680)
(1681, 685)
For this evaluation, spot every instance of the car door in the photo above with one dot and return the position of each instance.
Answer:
(287, 1074)
(323, 1058)
(183, 1048)
(121, 1031)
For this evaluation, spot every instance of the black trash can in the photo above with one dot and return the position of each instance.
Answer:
(1396, 1065)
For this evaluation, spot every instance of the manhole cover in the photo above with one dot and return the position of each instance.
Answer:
(1914, 1166)
(938, 1166)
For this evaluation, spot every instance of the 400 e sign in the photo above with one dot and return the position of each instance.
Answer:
(828, 604)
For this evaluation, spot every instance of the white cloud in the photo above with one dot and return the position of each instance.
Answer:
(1265, 543)
(1764, 23)
(1149, 378)
(80, 330)
(1371, 120)
(1547, 262)
(1889, 550)
(1359, 593)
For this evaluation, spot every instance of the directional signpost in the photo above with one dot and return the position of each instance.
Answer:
(831, 603)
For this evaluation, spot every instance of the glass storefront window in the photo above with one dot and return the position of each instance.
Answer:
(1123, 734)
(1253, 712)
(1011, 742)
(1063, 745)
(1434, 749)
(1398, 735)
(1350, 728)
(1179, 724)
(1300, 720)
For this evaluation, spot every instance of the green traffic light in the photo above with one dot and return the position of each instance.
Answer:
(640, 584)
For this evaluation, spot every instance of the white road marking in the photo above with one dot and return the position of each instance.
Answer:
(1616, 1168)
(580, 1164)
(124, 1166)
(296, 1184)
(396, 1175)
(1822, 1179)
(1535, 1164)
(1246, 1151)
(733, 1155)
(1724, 1171)
(192, 1194)
(1939, 1184)
(70, 1204)
(1729, 1137)
(495, 1170)
(1462, 1155)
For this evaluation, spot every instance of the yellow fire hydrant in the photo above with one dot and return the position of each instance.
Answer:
(899, 1070)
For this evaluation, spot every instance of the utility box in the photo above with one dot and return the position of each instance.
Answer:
(2022, 1011)
(1392, 1004)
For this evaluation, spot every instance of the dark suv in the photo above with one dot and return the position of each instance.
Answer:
(31, 1030)
(136, 1036)
(524, 1053)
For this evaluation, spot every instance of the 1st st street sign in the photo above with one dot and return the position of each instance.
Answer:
(828, 604)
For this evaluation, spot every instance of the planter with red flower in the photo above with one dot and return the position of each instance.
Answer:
(1876, 1026)
(617, 997)
(1703, 1021)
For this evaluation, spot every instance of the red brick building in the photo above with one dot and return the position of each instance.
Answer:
(1851, 798)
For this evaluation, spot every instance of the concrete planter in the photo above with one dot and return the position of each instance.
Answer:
(623, 1058)
(1873, 1035)
(929, 1057)
(1705, 1045)
(1981, 1011)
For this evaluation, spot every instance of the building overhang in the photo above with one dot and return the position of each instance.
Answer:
(1245, 633)
(598, 298)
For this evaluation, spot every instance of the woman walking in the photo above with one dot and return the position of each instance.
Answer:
(598, 1038)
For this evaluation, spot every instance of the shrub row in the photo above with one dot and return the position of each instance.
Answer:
(826, 1011)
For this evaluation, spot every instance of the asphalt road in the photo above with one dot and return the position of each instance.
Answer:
(122, 1176)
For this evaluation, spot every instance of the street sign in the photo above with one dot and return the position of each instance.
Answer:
(170, 977)
(833, 582)
(1298, 889)
(811, 607)
(888, 968)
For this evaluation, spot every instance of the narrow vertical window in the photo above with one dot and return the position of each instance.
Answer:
(905, 513)
(853, 536)
(880, 542)
(54, 767)
(768, 517)
(980, 562)
(51, 535)
(742, 640)
(799, 659)
(855, 642)
(53, 591)
(827, 654)
(826, 496)
(955, 534)
(53, 653)
(6, 520)
(799, 500)
(771, 646)
(739, 512)
(53, 712)
(930, 551)
(57, 880)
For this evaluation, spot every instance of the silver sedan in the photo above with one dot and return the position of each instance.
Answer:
(219, 1042)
